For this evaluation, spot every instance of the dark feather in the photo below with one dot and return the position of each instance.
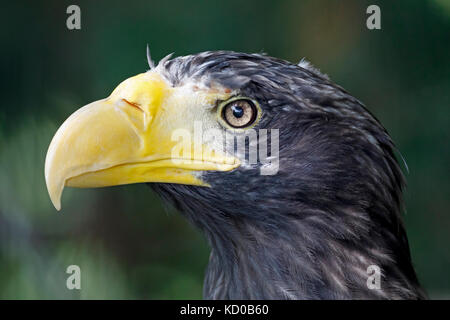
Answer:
(333, 209)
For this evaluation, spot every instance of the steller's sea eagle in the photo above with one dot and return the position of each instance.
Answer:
(310, 229)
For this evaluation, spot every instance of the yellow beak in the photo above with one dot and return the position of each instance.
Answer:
(129, 138)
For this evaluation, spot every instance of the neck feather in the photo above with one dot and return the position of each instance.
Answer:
(312, 257)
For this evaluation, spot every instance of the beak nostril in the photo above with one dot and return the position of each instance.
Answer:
(133, 104)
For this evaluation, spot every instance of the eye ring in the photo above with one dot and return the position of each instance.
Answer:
(239, 113)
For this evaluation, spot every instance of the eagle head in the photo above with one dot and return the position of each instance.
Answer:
(292, 180)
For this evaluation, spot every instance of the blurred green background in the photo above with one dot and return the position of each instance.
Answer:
(126, 244)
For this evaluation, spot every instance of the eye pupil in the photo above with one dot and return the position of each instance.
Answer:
(238, 111)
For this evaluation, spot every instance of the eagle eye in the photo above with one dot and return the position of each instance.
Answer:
(239, 113)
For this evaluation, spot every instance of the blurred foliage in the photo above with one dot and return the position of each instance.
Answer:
(126, 243)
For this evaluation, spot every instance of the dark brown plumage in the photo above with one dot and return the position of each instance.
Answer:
(333, 208)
